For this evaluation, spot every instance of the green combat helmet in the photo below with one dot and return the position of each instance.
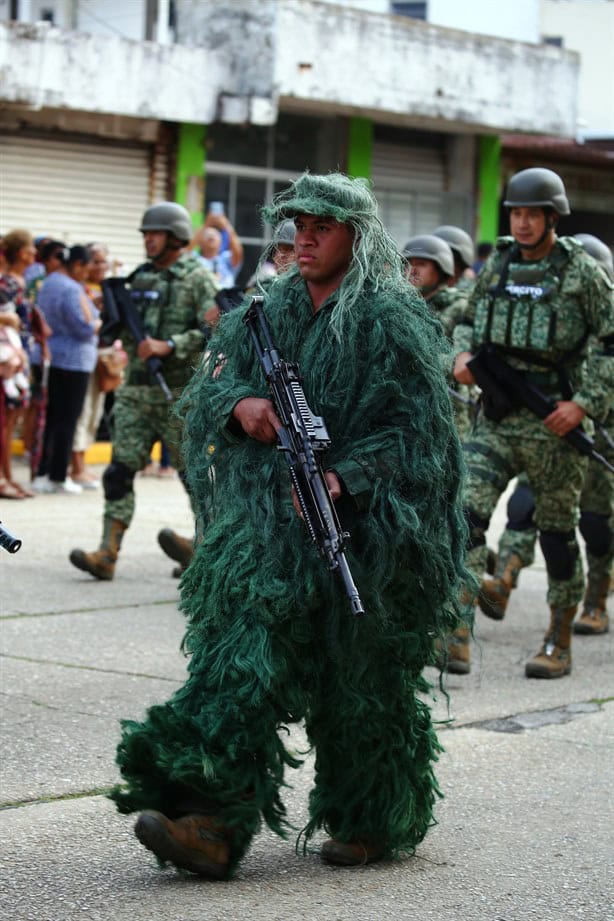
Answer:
(459, 242)
(537, 187)
(601, 253)
(168, 216)
(284, 233)
(428, 246)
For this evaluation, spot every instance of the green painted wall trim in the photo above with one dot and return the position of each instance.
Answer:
(360, 147)
(190, 177)
(489, 173)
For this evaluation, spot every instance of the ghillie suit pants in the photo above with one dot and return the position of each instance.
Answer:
(217, 746)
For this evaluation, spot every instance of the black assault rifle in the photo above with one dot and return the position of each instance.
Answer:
(8, 542)
(504, 388)
(120, 313)
(302, 438)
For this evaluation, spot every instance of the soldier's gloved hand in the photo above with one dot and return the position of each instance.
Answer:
(257, 418)
(460, 371)
(565, 417)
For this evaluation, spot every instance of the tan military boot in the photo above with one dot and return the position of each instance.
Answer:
(101, 563)
(453, 654)
(178, 548)
(197, 843)
(554, 658)
(494, 594)
(594, 617)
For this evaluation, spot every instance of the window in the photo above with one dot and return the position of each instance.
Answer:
(412, 10)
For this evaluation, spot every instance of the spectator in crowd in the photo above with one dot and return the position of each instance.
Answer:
(93, 405)
(75, 322)
(221, 251)
(15, 316)
(37, 268)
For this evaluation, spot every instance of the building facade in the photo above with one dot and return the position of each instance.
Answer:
(107, 106)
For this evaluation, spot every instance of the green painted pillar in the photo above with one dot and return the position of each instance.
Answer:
(360, 147)
(489, 175)
(190, 177)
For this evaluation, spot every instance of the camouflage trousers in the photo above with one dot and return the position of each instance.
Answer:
(497, 452)
(597, 498)
(141, 417)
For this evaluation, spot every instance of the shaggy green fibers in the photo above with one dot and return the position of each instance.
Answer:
(269, 634)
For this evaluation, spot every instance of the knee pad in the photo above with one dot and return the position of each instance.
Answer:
(477, 529)
(596, 531)
(520, 509)
(560, 553)
(117, 481)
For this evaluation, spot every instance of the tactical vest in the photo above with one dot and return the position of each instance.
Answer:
(526, 315)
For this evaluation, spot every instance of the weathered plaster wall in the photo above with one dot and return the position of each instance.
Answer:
(235, 62)
(43, 66)
(422, 74)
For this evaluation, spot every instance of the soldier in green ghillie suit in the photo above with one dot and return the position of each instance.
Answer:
(270, 635)
(537, 304)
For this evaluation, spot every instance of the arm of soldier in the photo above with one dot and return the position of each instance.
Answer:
(202, 289)
(594, 394)
(463, 333)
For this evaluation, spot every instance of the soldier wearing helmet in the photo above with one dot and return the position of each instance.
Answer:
(596, 509)
(430, 268)
(535, 305)
(174, 296)
(463, 251)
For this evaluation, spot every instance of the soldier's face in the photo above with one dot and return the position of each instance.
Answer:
(527, 225)
(423, 273)
(323, 248)
(155, 243)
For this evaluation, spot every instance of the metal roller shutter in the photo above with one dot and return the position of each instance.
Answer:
(409, 184)
(77, 192)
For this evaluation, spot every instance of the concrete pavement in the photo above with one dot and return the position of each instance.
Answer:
(525, 829)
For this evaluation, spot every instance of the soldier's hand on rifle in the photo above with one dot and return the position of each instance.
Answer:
(257, 418)
(565, 417)
(150, 348)
(461, 372)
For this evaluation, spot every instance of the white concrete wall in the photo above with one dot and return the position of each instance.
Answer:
(421, 74)
(43, 66)
(312, 55)
(587, 26)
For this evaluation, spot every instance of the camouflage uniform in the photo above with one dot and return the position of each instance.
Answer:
(450, 306)
(172, 303)
(540, 322)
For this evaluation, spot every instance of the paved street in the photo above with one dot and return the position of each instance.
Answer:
(525, 830)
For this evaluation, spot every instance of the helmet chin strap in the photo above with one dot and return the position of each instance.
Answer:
(172, 245)
(549, 224)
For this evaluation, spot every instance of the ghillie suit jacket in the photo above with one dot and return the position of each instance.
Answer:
(270, 634)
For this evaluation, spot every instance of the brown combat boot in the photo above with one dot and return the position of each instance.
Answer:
(178, 548)
(454, 654)
(101, 563)
(554, 658)
(494, 594)
(197, 843)
(352, 853)
(594, 618)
